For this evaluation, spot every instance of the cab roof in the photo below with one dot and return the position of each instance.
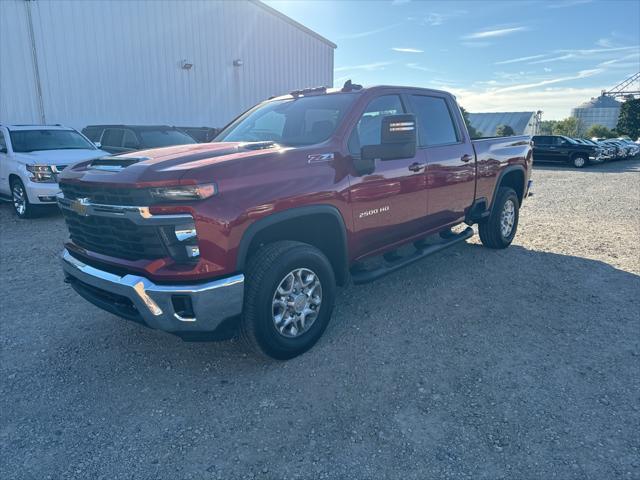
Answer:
(14, 128)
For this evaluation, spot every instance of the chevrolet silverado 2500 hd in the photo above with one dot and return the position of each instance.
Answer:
(289, 201)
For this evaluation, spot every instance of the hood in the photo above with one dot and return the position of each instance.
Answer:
(168, 165)
(60, 157)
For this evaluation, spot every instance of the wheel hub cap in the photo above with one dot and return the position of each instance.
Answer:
(19, 199)
(507, 218)
(296, 302)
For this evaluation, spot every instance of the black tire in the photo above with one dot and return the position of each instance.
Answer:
(266, 269)
(490, 230)
(579, 161)
(22, 210)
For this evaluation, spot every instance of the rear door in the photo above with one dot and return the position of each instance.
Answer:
(389, 204)
(542, 148)
(450, 159)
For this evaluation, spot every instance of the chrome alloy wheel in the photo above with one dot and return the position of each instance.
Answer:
(19, 198)
(579, 162)
(507, 218)
(296, 302)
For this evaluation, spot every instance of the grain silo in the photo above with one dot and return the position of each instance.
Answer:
(602, 110)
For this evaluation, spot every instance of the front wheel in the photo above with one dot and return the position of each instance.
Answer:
(579, 161)
(289, 297)
(20, 201)
(500, 228)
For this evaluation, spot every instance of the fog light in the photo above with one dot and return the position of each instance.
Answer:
(47, 198)
(185, 232)
(192, 251)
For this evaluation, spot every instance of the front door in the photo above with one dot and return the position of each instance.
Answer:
(450, 159)
(390, 203)
(4, 165)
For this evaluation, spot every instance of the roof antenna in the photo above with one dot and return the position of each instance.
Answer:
(350, 86)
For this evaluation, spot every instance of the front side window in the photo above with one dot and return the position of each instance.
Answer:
(130, 140)
(41, 139)
(112, 137)
(292, 122)
(3, 143)
(435, 123)
(164, 138)
(369, 127)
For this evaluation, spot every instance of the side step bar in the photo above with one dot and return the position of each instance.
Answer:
(367, 276)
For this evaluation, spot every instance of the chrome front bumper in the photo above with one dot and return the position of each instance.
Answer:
(155, 305)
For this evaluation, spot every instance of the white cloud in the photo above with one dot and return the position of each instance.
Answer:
(500, 32)
(568, 3)
(417, 66)
(351, 36)
(407, 50)
(554, 59)
(519, 59)
(370, 67)
(528, 86)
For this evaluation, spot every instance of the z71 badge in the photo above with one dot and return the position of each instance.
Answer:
(374, 211)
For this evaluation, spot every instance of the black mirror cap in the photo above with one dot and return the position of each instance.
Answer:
(398, 137)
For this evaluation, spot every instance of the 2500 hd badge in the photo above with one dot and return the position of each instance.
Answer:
(374, 211)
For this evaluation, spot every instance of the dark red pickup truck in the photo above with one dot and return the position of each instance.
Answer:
(290, 200)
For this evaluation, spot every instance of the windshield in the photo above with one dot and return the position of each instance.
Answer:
(299, 121)
(164, 138)
(38, 140)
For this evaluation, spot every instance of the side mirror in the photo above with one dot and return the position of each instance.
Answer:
(97, 144)
(397, 139)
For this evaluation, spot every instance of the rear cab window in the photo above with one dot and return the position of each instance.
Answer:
(436, 125)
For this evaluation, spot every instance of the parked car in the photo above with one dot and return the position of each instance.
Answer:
(623, 150)
(558, 148)
(633, 148)
(293, 198)
(201, 134)
(31, 158)
(118, 139)
(605, 152)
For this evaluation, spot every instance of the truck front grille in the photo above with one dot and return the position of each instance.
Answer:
(116, 237)
(136, 197)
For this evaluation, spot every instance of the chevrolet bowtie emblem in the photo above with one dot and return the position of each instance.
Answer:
(79, 206)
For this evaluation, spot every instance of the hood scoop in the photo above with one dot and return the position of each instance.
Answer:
(115, 164)
(258, 145)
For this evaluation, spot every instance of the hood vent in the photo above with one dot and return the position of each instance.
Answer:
(115, 164)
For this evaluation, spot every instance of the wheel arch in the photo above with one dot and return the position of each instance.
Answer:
(513, 176)
(321, 226)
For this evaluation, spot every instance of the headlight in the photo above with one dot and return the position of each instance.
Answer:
(182, 193)
(42, 173)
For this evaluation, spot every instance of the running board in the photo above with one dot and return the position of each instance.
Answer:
(366, 276)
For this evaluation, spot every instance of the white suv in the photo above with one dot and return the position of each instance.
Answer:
(31, 156)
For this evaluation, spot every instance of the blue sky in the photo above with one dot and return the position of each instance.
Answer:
(493, 55)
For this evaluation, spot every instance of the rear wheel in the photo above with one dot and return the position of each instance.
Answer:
(289, 297)
(500, 228)
(20, 201)
(579, 161)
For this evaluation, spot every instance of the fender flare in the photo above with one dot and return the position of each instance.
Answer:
(297, 212)
(501, 175)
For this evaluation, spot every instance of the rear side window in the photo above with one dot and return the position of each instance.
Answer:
(435, 123)
(542, 140)
(369, 127)
(112, 137)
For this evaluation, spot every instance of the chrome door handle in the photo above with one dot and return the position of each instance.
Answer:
(466, 158)
(416, 167)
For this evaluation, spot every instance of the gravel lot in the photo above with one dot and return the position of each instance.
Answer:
(477, 364)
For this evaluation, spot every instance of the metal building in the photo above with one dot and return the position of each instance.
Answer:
(523, 123)
(197, 63)
(602, 110)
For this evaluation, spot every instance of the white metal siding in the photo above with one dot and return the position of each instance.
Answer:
(119, 62)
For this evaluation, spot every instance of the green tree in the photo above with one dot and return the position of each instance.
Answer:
(629, 119)
(504, 131)
(599, 131)
(569, 127)
(473, 133)
(546, 127)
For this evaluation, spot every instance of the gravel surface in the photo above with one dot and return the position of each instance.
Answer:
(478, 364)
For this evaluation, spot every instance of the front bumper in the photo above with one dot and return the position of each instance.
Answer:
(40, 192)
(197, 308)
